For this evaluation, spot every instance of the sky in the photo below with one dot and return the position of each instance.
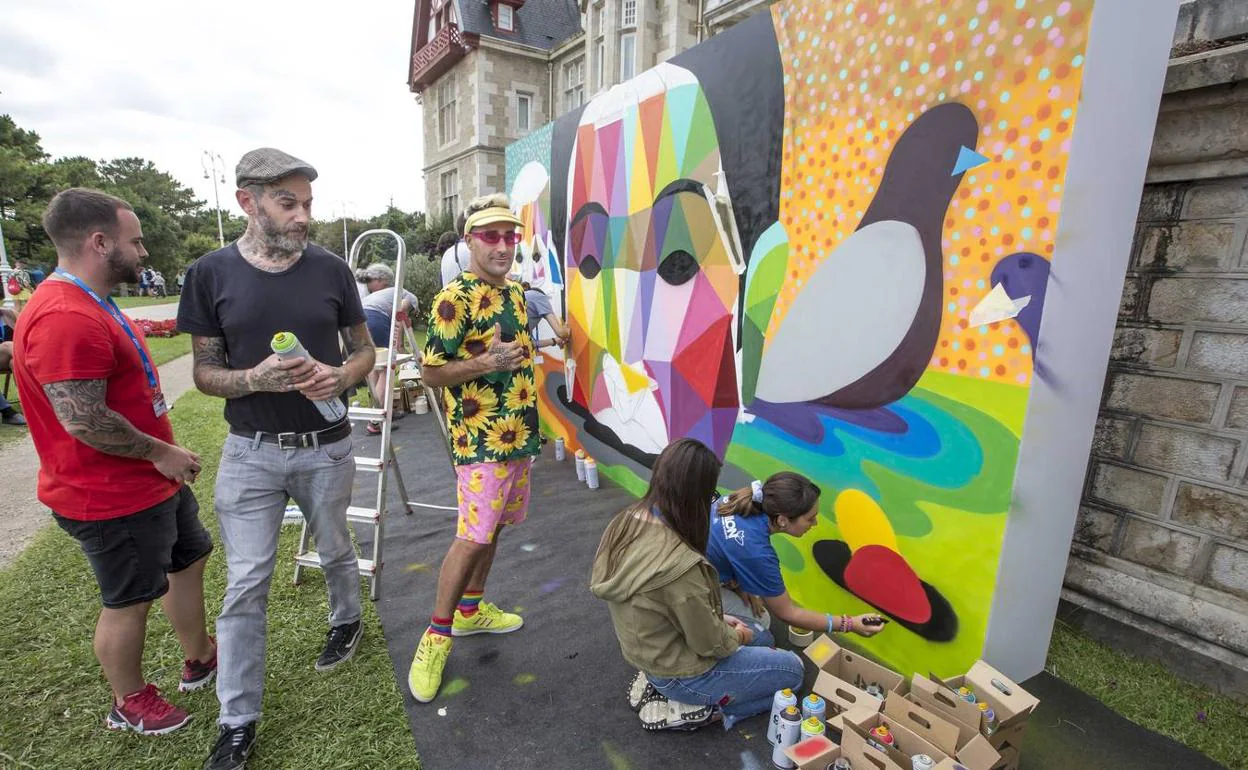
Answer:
(326, 82)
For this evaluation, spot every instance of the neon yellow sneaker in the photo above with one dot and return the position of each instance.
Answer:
(425, 676)
(488, 619)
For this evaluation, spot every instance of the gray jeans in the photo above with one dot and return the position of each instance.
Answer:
(253, 483)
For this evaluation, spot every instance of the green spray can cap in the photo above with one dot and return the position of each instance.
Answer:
(284, 342)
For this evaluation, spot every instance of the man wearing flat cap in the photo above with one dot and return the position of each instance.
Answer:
(479, 352)
(280, 446)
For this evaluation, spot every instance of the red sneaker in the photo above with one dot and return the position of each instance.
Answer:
(147, 713)
(197, 674)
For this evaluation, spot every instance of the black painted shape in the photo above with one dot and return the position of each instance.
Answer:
(916, 189)
(833, 557)
(603, 433)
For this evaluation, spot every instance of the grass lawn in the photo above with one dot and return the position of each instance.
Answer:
(125, 302)
(1149, 695)
(165, 349)
(56, 698)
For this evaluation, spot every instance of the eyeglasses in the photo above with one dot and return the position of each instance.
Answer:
(491, 238)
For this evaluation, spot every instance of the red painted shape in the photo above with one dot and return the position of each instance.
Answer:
(812, 747)
(882, 577)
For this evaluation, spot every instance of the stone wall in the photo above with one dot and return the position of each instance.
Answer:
(1160, 554)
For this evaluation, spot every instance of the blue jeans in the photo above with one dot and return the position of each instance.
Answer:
(253, 483)
(748, 679)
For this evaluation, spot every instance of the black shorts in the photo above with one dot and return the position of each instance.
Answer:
(133, 555)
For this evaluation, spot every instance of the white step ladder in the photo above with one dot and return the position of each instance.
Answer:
(374, 516)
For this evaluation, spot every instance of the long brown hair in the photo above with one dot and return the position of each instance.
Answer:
(681, 487)
(785, 494)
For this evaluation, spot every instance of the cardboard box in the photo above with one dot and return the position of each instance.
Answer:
(814, 753)
(906, 744)
(857, 714)
(1010, 702)
(844, 676)
(975, 753)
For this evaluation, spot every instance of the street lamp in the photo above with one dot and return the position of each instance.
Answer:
(341, 209)
(209, 161)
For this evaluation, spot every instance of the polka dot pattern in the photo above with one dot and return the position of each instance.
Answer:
(856, 74)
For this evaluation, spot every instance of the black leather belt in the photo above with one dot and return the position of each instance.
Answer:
(292, 440)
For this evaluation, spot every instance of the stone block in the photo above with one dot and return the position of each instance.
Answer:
(1134, 489)
(1152, 347)
(1221, 513)
(1161, 203)
(1211, 300)
(1189, 245)
(1187, 452)
(1111, 437)
(1159, 547)
(1228, 570)
(1095, 528)
(1166, 397)
(1219, 20)
(1225, 198)
(1130, 303)
(1218, 352)
(1237, 417)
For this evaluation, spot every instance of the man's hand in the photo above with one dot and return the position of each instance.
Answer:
(175, 463)
(324, 383)
(504, 356)
(280, 375)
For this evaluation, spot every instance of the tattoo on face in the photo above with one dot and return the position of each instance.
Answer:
(211, 369)
(80, 406)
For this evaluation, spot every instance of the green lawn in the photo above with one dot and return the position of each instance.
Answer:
(124, 302)
(1149, 695)
(55, 697)
(165, 349)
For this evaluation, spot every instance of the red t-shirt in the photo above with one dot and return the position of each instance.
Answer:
(62, 334)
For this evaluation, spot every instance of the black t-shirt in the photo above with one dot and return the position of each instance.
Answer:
(226, 296)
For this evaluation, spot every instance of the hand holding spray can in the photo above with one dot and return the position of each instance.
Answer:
(788, 734)
(286, 345)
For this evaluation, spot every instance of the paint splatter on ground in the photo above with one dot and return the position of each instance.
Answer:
(554, 585)
(442, 711)
(523, 679)
(528, 547)
(416, 568)
(615, 757)
(455, 686)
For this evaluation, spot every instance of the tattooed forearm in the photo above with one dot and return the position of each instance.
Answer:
(79, 405)
(212, 373)
(361, 355)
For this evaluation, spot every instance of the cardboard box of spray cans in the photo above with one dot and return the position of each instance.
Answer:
(862, 746)
(1011, 705)
(813, 753)
(845, 677)
(974, 753)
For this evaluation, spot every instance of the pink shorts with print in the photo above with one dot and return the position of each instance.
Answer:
(490, 495)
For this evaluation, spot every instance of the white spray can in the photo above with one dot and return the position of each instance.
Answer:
(287, 345)
(922, 762)
(787, 734)
(560, 454)
(782, 700)
(580, 465)
(591, 473)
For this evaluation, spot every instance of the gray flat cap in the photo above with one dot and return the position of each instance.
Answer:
(268, 164)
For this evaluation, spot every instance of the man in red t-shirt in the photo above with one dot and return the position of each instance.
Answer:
(109, 468)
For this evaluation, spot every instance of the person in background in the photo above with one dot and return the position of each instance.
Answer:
(361, 283)
(8, 323)
(158, 283)
(110, 469)
(457, 256)
(663, 595)
(539, 308)
(379, 280)
(181, 279)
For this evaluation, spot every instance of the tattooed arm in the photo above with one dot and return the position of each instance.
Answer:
(82, 411)
(327, 381)
(498, 357)
(214, 376)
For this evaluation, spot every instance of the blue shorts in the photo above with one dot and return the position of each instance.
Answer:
(378, 327)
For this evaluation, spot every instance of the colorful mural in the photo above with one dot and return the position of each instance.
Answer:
(820, 242)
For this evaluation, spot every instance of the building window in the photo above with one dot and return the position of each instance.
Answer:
(506, 20)
(599, 15)
(524, 111)
(628, 13)
(447, 127)
(628, 56)
(600, 65)
(573, 84)
(449, 184)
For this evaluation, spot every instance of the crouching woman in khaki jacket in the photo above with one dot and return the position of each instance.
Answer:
(697, 665)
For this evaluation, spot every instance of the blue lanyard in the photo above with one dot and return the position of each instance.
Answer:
(111, 308)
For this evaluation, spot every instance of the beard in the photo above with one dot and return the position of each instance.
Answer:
(292, 240)
(119, 270)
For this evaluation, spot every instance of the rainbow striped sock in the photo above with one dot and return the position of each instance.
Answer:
(468, 603)
(440, 626)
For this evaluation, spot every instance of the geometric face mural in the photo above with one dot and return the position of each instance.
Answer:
(821, 241)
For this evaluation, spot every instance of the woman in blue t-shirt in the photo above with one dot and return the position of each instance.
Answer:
(739, 547)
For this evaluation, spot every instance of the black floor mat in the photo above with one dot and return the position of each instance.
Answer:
(552, 695)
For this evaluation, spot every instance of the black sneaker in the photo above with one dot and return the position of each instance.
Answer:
(233, 746)
(340, 645)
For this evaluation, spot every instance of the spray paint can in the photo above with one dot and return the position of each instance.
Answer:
(814, 706)
(989, 718)
(591, 473)
(580, 465)
(788, 733)
(875, 691)
(881, 738)
(922, 762)
(840, 764)
(560, 454)
(811, 726)
(287, 345)
(782, 700)
(966, 694)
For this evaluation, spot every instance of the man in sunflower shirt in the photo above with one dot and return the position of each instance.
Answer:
(480, 353)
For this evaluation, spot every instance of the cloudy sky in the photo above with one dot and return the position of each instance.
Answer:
(325, 81)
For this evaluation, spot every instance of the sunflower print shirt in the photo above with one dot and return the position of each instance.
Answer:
(492, 418)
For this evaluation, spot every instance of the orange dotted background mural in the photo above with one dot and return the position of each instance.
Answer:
(857, 74)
